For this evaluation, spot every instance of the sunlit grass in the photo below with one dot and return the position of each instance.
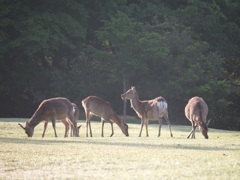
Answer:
(117, 157)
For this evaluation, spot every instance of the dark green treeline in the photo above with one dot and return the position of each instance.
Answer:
(72, 48)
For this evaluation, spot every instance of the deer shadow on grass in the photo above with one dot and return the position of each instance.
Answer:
(120, 144)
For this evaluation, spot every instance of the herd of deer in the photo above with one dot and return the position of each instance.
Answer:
(156, 109)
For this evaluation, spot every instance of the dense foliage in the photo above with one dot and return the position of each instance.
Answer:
(177, 49)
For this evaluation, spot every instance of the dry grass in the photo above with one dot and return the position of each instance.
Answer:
(118, 157)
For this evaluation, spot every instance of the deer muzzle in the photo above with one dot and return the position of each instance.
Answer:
(123, 97)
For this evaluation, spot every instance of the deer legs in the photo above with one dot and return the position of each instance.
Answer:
(66, 123)
(53, 125)
(144, 122)
(88, 124)
(45, 127)
(169, 125)
(103, 121)
(160, 125)
(141, 128)
(112, 129)
(193, 131)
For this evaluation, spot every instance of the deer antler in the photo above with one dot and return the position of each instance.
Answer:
(21, 126)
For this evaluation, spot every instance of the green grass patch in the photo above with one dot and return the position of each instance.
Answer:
(117, 157)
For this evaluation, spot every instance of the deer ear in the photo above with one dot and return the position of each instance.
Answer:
(21, 126)
(208, 121)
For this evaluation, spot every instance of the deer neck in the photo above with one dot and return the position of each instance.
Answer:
(35, 120)
(116, 119)
(136, 104)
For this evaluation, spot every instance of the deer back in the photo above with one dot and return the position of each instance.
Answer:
(97, 106)
(155, 108)
(58, 108)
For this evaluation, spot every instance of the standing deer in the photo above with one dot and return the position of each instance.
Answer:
(196, 112)
(50, 110)
(96, 106)
(154, 109)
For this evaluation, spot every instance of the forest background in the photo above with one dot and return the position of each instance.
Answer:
(76, 48)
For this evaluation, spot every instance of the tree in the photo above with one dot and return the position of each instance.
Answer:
(38, 37)
(79, 48)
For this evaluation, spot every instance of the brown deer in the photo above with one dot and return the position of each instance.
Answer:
(94, 105)
(68, 123)
(50, 110)
(154, 109)
(196, 112)
(75, 115)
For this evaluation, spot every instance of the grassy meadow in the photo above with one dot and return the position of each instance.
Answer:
(117, 157)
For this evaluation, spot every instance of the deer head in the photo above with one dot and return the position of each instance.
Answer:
(28, 130)
(204, 129)
(78, 130)
(124, 128)
(204, 132)
(130, 94)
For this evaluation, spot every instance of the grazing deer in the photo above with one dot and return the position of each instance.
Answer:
(67, 122)
(96, 106)
(75, 115)
(154, 109)
(196, 112)
(50, 110)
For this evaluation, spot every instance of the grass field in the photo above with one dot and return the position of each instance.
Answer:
(117, 157)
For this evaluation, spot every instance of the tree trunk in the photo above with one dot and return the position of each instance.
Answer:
(124, 102)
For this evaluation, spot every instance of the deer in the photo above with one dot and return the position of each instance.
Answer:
(68, 123)
(50, 110)
(196, 112)
(154, 109)
(75, 115)
(96, 106)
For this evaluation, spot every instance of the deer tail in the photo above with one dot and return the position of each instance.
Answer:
(162, 104)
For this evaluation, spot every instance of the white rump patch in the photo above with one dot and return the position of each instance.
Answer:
(162, 105)
(74, 109)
